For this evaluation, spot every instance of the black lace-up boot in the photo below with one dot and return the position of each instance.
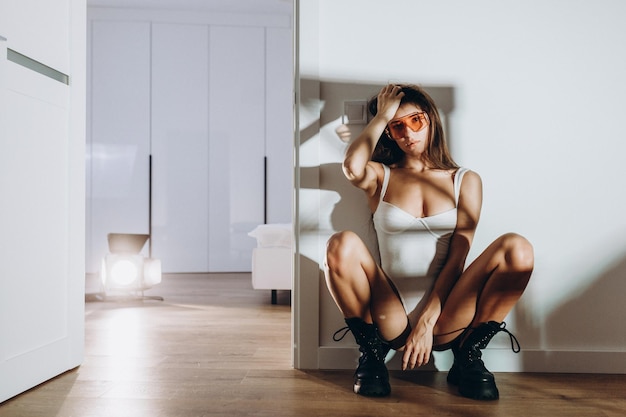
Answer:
(468, 370)
(454, 374)
(371, 377)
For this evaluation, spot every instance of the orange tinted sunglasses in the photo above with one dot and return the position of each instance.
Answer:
(415, 121)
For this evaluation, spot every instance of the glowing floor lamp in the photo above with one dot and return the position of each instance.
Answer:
(125, 271)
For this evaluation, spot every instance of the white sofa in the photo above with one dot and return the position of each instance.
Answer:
(272, 258)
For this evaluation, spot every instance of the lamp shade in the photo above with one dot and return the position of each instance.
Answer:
(126, 242)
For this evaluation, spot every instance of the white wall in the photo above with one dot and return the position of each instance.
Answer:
(537, 104)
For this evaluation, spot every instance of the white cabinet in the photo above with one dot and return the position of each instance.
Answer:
(42, 191)
(209, 102)
(39, 29)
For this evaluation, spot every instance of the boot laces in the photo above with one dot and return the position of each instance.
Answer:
(374, 346)
(345, 331)
(515, 346)
(474, 353)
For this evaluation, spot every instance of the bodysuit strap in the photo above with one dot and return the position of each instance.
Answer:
(458, 178)
(383, 189)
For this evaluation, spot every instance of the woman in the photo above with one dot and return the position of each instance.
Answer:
(425, 212)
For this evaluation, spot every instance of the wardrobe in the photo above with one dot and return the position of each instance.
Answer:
(190, 133)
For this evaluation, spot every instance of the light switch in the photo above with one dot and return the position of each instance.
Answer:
(354, 112)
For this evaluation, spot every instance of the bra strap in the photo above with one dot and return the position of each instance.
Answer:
(458, 178)
(383, 189)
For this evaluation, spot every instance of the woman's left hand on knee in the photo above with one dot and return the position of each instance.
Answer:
(418, 348)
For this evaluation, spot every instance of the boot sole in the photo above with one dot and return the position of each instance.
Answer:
(483, 391)
(372, 388)
(453, 377)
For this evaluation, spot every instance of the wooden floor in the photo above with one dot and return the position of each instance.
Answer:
(215, 347)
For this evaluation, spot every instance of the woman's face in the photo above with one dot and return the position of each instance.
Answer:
(409, 129)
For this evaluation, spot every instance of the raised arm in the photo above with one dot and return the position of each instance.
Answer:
(356, 165)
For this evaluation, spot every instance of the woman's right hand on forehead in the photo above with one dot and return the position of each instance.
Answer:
(389, 100)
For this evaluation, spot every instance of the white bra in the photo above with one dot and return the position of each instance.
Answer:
(414, 246)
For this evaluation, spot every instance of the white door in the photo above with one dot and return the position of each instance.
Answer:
(119, 137)
(279, 130)
(208, 145)
(237, 146)
(42, 192)
(180, 146)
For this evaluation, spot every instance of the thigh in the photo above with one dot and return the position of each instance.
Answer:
(388, 310)
(358, 283)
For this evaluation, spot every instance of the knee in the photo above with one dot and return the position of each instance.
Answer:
(340, 248)
(519, 255)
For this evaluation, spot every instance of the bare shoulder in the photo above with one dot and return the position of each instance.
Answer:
(471, 181)
(470, 199)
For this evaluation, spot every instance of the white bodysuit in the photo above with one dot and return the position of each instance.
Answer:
(414, 249)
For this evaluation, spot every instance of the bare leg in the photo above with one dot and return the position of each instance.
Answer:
(359, 286)
(488, 289)
(480, 300)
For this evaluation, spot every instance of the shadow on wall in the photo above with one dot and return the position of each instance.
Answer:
(332, 94)
(585, 333)
(596, 309)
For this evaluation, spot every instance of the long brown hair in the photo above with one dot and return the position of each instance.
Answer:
(436, 154)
